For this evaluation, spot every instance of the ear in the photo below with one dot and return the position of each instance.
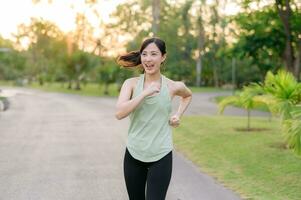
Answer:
(163, 58)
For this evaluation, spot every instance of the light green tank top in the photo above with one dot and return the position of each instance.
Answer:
(149, 134)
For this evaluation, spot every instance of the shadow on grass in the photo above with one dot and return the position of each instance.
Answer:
(251, 129)
(279, 145)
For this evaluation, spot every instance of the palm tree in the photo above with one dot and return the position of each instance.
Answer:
(283, 96)
(292, 130)
(245, 99)
(282, 92)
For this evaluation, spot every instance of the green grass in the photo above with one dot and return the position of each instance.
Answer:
(254, 164)
(6, 83)
(90, 89)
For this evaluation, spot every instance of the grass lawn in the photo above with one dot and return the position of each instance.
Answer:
(254, 164)
(6, 83)
(90, 89)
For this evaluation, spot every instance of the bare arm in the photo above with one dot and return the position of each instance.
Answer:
(125, 105)
(186, 96)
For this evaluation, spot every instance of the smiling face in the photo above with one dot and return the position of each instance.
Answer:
(151, 59)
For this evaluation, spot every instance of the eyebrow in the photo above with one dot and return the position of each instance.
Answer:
(151, 51)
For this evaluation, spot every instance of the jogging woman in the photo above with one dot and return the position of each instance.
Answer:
(147, 100)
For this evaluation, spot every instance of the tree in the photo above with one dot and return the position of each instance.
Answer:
(284, 10)
(46, 48)
(281, 93)
(288, 17)
(156, 16)
(244, 99)
(200, 45)
(12, 62)
(258, 41)
(292, 130)
(79, 65)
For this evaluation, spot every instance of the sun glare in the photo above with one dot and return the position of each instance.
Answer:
(61, 12)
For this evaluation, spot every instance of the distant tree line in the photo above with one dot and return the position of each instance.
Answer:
(206, 46)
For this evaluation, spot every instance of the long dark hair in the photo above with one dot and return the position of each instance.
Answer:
(133, 58)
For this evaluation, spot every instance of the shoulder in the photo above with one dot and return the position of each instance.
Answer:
(174, 85)
(131, 81)
(178, 88)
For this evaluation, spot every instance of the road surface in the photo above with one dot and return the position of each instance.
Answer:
(68, 147)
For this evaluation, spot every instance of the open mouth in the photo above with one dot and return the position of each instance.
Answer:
(149, 66)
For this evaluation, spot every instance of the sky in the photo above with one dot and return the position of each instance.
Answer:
(63, 14)
(14, 12)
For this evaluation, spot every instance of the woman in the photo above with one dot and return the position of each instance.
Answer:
(147, 99)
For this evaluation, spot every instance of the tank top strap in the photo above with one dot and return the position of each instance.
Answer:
(138, 88)
(165, 89)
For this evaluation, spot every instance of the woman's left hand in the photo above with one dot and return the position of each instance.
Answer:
(174, 121)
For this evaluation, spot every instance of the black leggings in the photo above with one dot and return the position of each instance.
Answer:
(150, 179)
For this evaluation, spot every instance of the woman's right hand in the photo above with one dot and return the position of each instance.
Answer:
(153, 88)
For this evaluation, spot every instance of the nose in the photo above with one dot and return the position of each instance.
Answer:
(147, 58)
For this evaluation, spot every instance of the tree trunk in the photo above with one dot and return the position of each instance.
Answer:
(233, 75)
(248, 126)
(215, 20)
(198, 71)
(284, 12)
(106, 89)
(70, 84)
(77, 86)
(215, 75)
(41, 82)
(156, 16)
(201, 41)
(298, 60)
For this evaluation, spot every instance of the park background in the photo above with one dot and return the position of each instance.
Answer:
(252, 48)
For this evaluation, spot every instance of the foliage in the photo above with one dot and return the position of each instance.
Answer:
(283, 96)
(263, 35)
(11, 62)
(292, 130)
(281, 93)
(255, 38)
(283, 90)
(261, 39)
(244, 99)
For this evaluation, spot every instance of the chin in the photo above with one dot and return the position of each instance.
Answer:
(152, 71)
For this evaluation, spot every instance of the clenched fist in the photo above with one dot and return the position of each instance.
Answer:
(153, 88)
(174, 121)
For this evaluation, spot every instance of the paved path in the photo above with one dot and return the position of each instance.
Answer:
(203, 104)
(68, 147)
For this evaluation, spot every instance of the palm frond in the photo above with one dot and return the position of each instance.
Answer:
(292, 130)
(271, 102)
(230, 100)
(282, 85)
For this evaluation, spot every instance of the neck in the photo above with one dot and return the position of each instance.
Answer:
(152, 77)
